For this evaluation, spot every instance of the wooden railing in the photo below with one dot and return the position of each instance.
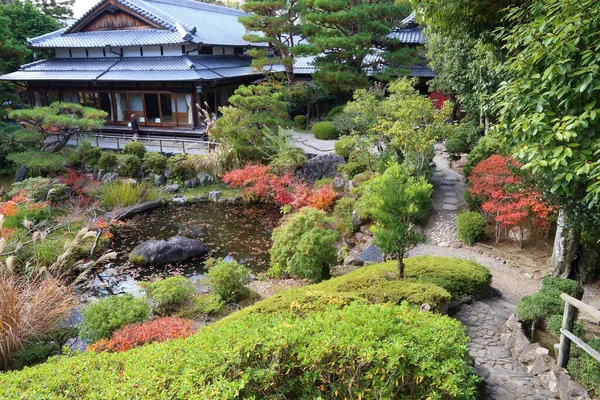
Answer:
(566, 334)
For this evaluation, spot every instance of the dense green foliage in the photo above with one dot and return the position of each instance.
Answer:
(458, 277)
(254, 111)
(324, 354)
(88, 154)
(304, 245)
(41, 163)
(135, 148)
(14, 139)
(228, 280)
(547, 301)
(462, 138)
(155, 162)
(108, 161)
(179, 168)
(486, 147)
(470, 227)
(395, 201)
(344, 146)
(42, 347)
(129, 165)
(102, 318)
(166, 295)
(324, 130)
(344, 35)
(584, 368)
(300, 121)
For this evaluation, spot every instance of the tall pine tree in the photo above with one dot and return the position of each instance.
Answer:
(346, 37)
(277, 23)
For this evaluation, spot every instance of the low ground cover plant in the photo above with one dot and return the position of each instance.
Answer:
(228, 280)
(107, 315)
(167, 295)
(327, 354)
(470, 227)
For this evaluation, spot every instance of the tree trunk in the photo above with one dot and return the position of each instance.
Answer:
(566, 246)
(486, 124)
(401, 266)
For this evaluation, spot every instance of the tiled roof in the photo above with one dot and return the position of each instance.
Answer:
(305, 65)
(145, 37)
(177, 68)
(408, 35)
(184, 21)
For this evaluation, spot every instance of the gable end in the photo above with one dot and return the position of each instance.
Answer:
(112, 16)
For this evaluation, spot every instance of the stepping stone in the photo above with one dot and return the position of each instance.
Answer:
(450, 200)
(443, 244)
(456, 245)
(450, 207)
(451, 184)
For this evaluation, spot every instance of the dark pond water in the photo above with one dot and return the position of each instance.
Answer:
(240, 232)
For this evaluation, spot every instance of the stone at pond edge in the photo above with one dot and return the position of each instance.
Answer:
(372, 255)
(214, 196)
(109, 177)
(179, 199)
(191, 183)
(172, 188)
(128, 212)
(160, 179)
(76, 344)
(322, 166)
(176, 249)
(203, 178)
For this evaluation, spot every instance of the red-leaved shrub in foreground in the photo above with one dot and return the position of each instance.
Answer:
(261, 184)
(157, 330)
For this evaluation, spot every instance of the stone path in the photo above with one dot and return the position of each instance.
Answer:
(312, 145)
(448, 188)
(505, 378)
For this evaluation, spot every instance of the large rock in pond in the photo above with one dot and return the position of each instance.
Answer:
(323, 166)
(176, 249)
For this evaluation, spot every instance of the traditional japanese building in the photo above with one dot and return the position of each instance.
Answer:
(152, 58)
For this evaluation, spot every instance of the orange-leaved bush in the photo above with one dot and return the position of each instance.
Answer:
(261, 184)
(504, 198)
(156, 330)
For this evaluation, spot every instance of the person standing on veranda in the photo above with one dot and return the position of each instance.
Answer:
(134, 127)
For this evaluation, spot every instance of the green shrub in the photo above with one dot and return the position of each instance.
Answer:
(108, 161)
(129, 165)
(304, 245)
(300, 121)
(335, 111)
(462, 138)
(343, 214)
(486, 147)
(584, 368)
(554, 323)
(35, 213)
(208, 304)
(459, 277)
(471, 226)
(136, 149)
(179, 167)
(155, 162)
(88, 154)
(547, 301)
(228, 279)
(166, 295)
(14, 139)
(40, 163)
(456, 146)
(325, 130)
(403, 353)
(102, 318)
(344, 146)
(322, 182)
(42, 347)
(123, 194)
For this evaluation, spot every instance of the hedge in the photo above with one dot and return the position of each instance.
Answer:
(361, 351)
(459, 277)
(325, 130)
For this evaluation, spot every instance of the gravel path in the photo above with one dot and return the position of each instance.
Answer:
(448, 188)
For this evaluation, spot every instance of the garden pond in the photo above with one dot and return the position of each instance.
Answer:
(239, 232)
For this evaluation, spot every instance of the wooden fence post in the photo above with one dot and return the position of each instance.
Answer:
(565, 343)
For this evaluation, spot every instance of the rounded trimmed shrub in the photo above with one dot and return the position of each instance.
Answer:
(155, 162)
(168, 294)
(335, 111)
(228, 279)
(135, 148)
(108, 161)
(459, 277)
(300, 121)
(325, 130)
(129, 165)
(471, 226)
(102, 318)
(345, 146)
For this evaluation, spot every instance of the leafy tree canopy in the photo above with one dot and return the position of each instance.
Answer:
(255, 111)
(344, 34)
(59, 121)
(275, 22)
(56, 9)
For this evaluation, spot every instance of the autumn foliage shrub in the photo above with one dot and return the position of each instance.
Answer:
(261, 184)
(504, 198)
(157, 330)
